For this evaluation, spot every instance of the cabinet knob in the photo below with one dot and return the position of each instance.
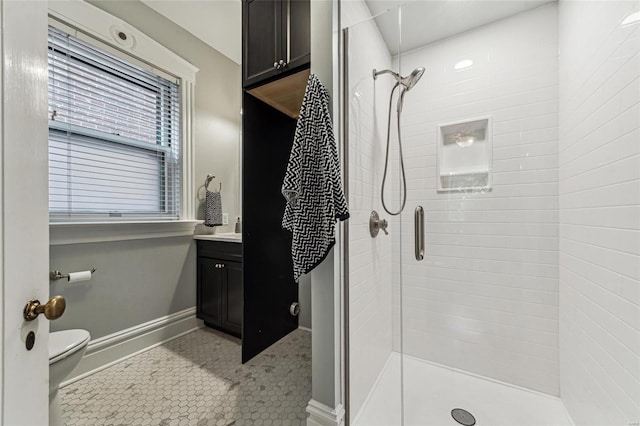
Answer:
(282, 63)
(276, 65)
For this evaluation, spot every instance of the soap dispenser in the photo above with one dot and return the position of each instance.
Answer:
(238, 227)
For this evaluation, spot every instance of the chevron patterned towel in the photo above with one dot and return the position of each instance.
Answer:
(213, 209)
(312, 184)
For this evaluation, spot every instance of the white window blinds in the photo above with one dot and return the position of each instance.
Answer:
(114, 136)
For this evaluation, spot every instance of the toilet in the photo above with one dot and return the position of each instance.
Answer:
(65, 352)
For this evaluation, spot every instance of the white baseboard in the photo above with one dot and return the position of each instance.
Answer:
(108, 350)
(323, 415)
(304, 328)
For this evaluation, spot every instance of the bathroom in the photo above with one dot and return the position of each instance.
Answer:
(529, 277)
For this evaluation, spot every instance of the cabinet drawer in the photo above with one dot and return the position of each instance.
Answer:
(220, 250)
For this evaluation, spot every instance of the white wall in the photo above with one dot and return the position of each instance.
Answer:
(600, 212)
(370, 259)
(485, 298)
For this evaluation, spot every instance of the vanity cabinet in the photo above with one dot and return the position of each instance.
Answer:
(276, 38)
(220, 292)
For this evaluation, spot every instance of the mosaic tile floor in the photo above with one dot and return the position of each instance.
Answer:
(198, 380)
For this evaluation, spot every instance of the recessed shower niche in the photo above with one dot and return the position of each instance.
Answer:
(464, 155)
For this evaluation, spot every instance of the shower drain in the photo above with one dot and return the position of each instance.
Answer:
(463, 417)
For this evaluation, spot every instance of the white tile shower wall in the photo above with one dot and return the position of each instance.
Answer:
(600, 211)
(369, 263)
(485, 298)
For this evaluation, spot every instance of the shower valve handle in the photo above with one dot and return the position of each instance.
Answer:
(376, 224)
(382, 224)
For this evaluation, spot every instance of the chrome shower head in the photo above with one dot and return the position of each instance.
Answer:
(407, 82)
(413, 78)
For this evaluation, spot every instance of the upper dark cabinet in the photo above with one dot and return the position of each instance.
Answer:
(276, 38)
(298, 20)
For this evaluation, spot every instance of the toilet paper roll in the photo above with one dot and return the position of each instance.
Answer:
(74, 277)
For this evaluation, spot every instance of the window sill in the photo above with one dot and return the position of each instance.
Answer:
(61, 233)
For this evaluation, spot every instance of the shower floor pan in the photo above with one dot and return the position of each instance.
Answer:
(431, 392)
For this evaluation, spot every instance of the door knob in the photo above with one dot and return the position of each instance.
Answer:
(52, 310)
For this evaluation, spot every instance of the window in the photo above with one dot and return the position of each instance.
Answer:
(114, 136)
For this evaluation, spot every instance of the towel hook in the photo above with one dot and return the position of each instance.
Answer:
(208, 180)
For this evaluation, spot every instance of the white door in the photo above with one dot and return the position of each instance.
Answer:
(24, 252)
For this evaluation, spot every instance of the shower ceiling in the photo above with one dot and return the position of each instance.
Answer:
(425, 22)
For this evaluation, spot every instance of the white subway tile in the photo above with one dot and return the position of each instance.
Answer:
(599, 213)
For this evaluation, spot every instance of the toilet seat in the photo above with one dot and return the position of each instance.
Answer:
(66, 342)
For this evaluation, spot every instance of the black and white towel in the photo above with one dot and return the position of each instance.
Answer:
(213, 209)
(312, 184)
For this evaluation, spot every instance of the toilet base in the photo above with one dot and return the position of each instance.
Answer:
(55, 412)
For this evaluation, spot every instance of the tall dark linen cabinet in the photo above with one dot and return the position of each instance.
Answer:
(276, 55)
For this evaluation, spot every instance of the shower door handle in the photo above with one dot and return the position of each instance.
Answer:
(419, 232)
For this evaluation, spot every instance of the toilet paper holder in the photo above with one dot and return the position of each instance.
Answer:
(57, 275)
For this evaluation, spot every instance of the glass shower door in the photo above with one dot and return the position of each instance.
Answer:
(374, 361)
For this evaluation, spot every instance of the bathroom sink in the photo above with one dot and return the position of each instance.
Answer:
(223, 236)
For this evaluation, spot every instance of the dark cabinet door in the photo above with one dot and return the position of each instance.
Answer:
(269, 288)
(262, 39)
(276, 38)
(298, 40)
(209, 303)
(232, 297)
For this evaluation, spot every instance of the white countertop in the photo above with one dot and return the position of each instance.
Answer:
(225, 236)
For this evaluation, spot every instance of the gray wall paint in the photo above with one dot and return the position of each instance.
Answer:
(324, 364)
(135, 282)
(217, 97)
(304, 299)
(141, 280)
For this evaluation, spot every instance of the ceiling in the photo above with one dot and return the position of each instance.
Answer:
(216, 22)
(427, 21)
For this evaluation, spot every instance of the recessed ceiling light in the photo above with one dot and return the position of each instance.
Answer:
(465, 63)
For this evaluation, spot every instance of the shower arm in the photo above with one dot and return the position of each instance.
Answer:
(376, 73)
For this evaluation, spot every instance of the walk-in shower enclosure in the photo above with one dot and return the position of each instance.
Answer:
(521, 143)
